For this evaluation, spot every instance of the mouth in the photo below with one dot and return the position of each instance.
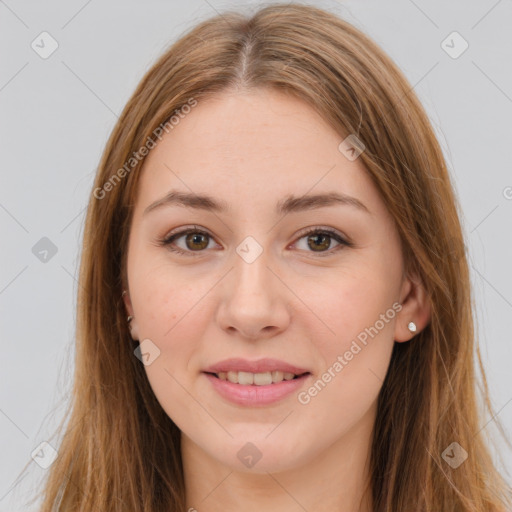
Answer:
(255, 383)
(257, 379)
(260, 383)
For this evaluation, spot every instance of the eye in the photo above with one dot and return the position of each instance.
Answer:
(194, 238)
(319, 240)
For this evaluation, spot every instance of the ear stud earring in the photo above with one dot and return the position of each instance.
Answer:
(412, 327)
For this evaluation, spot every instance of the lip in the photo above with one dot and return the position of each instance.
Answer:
(259, 366)
(252, 395)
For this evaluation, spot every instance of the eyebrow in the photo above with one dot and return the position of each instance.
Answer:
(291, 204)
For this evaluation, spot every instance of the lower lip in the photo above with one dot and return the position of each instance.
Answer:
(252, 395)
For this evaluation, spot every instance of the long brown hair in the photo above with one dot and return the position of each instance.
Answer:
(120, 450)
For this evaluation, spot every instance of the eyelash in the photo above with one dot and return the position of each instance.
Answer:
(169, 239)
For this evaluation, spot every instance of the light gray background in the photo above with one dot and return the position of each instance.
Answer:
(55, 119)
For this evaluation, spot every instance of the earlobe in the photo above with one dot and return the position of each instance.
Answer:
(416, 310)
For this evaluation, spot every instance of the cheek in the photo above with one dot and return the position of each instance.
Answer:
(168, 313)
(161, 293)
(359, 309)
(355, 359)
(349, 304)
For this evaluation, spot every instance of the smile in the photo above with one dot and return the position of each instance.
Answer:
(256, 379)
(253, 394)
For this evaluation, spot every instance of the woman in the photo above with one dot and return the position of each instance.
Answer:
(275, 306)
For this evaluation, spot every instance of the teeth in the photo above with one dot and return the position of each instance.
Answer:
(262, 379)
(258, 379)
(232, 377)
(277, 376)
(245, 378)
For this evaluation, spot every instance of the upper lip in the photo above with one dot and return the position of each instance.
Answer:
(259, 366)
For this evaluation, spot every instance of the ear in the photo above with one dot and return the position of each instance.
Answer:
(416, 307)
(129, 312)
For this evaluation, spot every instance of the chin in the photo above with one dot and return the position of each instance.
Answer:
(258, 457)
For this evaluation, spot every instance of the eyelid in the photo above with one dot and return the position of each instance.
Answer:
(183, 230)
(342, 240)
(324, 229)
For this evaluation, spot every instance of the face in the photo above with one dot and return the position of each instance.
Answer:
(264, 285)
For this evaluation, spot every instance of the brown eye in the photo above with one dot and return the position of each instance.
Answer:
(195, 240)
(320, 240)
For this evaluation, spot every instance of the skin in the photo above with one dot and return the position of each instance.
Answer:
(294, 303)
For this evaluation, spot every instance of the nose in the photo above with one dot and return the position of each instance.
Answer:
(254, 301)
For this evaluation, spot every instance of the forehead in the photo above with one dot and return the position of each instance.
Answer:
(253, 147)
